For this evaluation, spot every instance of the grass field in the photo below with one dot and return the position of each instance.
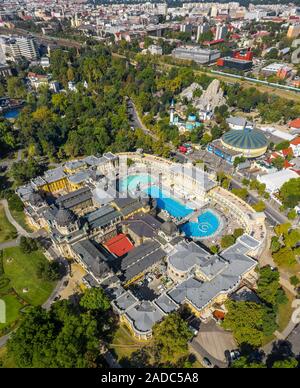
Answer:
(7, 230)
(5, 361)
(124, 344)
(21, 219)
(20, 286)
(21, 268)
(285, 312)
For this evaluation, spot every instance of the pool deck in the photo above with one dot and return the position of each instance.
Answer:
(181, 196)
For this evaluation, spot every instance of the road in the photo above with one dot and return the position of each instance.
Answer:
(136, 122)
(273, 216)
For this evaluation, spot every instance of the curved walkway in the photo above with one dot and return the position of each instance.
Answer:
(21, 231)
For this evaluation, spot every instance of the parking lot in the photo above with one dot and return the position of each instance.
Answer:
(212, 342)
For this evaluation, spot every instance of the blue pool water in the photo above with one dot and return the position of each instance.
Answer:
(132, 181)
(208, 223)
(173, 207)
(12, 114)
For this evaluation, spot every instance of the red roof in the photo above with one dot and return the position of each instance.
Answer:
(287, 164)
(296, 141)
(211, 42)
(295, 123)
(220, 315)
(119, 245)
(287, 152)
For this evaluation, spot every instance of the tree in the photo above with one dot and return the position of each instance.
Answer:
(244, 363)
(285, 257)
(290, 193)
(50, 271)
(238, 160)
(28, 245)
(16, 88)
(282, 229)
(294, 280)
(289, 363)
(95, 299)
(60, 338)
(227, 241)
(292, 214)
(7, 138)
(268, 286)
(171, 335)
(260, 206)
(283, 145)
(238, 232)
(278, 162)
(241, 193)
(292, 238)
(245, 319)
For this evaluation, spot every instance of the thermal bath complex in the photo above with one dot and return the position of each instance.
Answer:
(123, 223)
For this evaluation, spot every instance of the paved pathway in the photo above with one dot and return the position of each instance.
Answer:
(21, 231)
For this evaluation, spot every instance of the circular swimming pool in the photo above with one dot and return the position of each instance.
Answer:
(207, 225)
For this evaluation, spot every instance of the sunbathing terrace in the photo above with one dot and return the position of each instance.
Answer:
(251, 221)
(186, 178)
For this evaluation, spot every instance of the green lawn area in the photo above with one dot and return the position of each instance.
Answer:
(124, 344)
(7, 230)
(5, 361)
(20, 268)
(13, 306)
(20, 286)
(285, 312)
(21, 219)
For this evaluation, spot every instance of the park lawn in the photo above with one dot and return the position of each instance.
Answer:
(21, 269)
(285, 312)
(13, 306)
(124, 344)
(5, 360)
(7, 230)
(20, 218)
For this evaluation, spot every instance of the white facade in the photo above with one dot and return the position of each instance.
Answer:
(17, 47)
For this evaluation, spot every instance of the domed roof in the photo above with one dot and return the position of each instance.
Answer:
(245, 139)
(64, 217)
(169, 228)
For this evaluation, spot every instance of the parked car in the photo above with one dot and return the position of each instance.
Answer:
(207, 363)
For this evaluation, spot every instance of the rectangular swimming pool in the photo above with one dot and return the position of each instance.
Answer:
(173, 207)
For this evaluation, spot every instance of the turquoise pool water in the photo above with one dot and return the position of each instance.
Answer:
(173, 207)
(208, 223)
(131, 182)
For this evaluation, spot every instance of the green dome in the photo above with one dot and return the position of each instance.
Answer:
(248, 139)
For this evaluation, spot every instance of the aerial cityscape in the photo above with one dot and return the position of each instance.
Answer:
(149, 185)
